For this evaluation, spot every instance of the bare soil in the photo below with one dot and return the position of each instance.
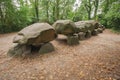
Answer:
(96, 58)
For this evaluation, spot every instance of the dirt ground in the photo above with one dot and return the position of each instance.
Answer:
(97, 58)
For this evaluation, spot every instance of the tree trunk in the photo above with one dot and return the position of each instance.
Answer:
(57, 9)
(88, 8)
(53, 13)
(47, 10)
(1, 15)
(96, 3)
(36, 10)
(89, 13)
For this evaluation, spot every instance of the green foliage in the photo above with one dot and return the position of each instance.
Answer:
(12, 18)
(16, 14)
(113, 16)
(117, 31)
(102, 19)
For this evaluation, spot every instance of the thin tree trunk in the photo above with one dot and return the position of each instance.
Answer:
(96, 3)
(47, 10)
(1, 15)
(89, 15)
(57, 9)
(88, 8)
(36, 10)
(53, 14)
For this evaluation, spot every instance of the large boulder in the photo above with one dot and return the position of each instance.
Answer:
(84, 26)
(35, 34)
(46, 48)
(100, 30)
(19, 50)
(81, 35)
(88, 34)
(73, 40)
(95, 32)
(101, 26)
(65, 27)
(94, 23)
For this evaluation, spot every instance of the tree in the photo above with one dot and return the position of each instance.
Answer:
(13, 17)
(96, 4)
(113, 16)
(36, 4)
(55, 9)
(35, 9)
(106, 4)
(88, 7)
(7, 11)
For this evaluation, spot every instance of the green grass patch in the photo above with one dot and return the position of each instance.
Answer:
(117, 31)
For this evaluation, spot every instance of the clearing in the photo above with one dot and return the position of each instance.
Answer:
(97, 58)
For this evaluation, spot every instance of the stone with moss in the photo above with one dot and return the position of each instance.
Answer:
(95, 32)
(65, 27)
(84, 26)
(19, 50)
(35, 34)
(46, 48)
(81, 35)
(100, 30)
(73, 40)
(88, 34)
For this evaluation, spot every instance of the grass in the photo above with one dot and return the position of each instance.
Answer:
(117, 31)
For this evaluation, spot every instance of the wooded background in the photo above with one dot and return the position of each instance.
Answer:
(16, 14)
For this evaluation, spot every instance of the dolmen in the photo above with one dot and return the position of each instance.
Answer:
(88, 28)
(76, 31)
(67, 28)
(35, 36)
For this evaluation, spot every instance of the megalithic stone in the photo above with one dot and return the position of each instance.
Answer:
(95, 32)
(73, 40)
(46, 48)
(88, 34)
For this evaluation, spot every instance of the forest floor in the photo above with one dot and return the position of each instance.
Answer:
(96, 58)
